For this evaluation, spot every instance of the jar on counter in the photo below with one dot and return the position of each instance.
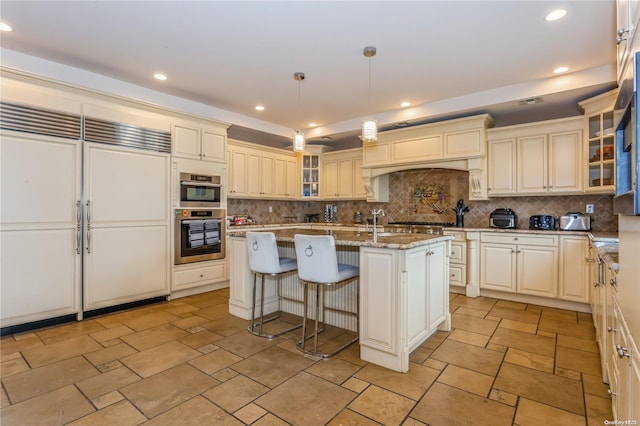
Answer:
(357, 217)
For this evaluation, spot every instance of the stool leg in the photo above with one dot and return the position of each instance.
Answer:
(318, 310)
(261, 301)
(253, 305)
(304, 314)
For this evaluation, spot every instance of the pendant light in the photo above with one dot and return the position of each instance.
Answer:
(369, 126)
(298, 138)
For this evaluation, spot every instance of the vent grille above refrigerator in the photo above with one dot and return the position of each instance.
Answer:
(39, 121)
(108, 132)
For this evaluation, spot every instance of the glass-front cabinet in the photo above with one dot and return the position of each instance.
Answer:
(310, 176)
(600, 146)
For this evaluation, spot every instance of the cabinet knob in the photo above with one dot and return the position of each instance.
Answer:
(622, 352)
(612, 281)
(201, 275)
(596, 284)
(515, 239)
(609, 329)
(610, 392)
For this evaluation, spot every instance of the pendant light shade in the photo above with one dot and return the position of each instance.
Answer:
(369, 126)
(369, 131)
(298, 141)
(298, 138)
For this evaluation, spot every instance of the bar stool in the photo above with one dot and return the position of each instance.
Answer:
(265, 260)
(318, 264)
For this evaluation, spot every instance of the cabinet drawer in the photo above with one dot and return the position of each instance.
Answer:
(514, 238)
(458, 235)
(458, 252)
(200, 275)
(457, 275)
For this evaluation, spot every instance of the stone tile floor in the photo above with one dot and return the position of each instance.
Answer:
(189, 362)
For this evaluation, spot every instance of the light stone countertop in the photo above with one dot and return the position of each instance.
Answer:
(359, 239)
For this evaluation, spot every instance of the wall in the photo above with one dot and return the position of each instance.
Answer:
(439, 190)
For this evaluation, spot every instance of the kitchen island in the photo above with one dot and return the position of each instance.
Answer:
(403, 289)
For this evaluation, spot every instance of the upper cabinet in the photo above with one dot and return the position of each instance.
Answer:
(259, 172)
(196, 141)
(457, 139)
(342, 175)
(599, 143)
(311, 176)
(628, 16)
(540, 158)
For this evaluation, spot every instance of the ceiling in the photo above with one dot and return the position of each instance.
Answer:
(448, 58)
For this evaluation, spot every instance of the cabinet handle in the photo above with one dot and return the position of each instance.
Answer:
(620, 33)
(622, 352)
(88, 226)
(78, 227)
(596, 284)
(612, 281)
(609, 329)
(610, 392)
(518, 251)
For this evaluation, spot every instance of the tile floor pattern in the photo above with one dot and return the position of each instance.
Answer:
(188, 362)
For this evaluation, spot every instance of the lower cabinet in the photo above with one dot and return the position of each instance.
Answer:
(199, 274)
(458, 260)
(574, 268)
(404, 302)
(526, 264)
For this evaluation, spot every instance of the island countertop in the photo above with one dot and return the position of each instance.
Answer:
(359, 239)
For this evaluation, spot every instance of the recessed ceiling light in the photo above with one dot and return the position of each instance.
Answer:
(560, 70)
(259, 108)
(555, 15)
(5, 27)
(160, 76)
(405, 104)
(313, 124)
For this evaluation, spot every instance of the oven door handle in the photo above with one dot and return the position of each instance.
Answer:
(212, 185)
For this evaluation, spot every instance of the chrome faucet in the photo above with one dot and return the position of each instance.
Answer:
(375, 214)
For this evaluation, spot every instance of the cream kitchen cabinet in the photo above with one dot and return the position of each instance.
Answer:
(342, 175)
(521, 263)
(237, 171)
(599, 159)
(458, 260)
(285, 176)
(192, 276)
(574, 268)
(260, 167)
(194, 141)
(536, 158)
(257, 172)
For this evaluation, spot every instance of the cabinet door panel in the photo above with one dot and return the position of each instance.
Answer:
(532, 164)
(213, 146)
(574, 269)
(266, 173)
(438, 294)
(498, 269)
(126, 185)
(345, 178)
(40, 275)
(417, 149)
(359, 189)
(292, 181)
(254, 186)
(330, 179)
(565, 162)
(126, 264)
(280, 176)
(537, 270)
(502, 167)
(40, 178)
(186, 142)
(239, 161)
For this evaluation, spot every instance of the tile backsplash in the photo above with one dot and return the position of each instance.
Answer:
(440, 189)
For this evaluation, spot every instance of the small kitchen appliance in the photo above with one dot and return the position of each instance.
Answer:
(542, 221)
(503, 218)
(575, 221)
(203, 191)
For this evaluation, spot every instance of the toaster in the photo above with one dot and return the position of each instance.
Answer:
(542, 221)
(575, 222)
(503, 218)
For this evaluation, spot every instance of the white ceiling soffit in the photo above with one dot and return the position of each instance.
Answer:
(225, 57)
